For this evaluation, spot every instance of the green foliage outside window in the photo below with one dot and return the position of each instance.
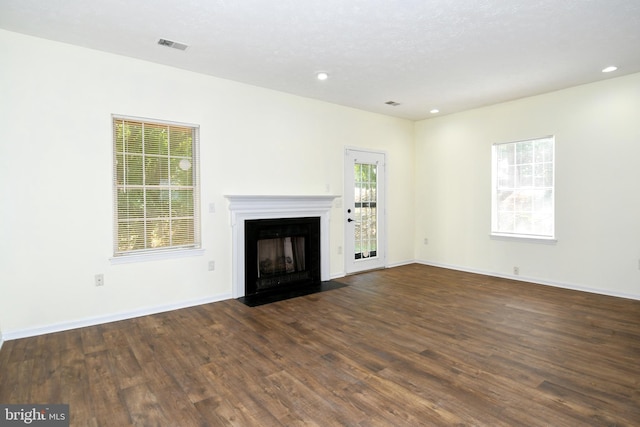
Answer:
(155, 186)
(365, 214)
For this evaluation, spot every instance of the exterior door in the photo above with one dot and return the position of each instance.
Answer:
(364, 204)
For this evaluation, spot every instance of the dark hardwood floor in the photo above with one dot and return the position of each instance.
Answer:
(407, 346)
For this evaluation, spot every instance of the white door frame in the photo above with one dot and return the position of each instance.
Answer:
(380, 260)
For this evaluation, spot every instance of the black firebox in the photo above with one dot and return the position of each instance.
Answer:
(281, 254)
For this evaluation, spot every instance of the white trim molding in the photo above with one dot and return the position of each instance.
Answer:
(98, 320)
(535, 281)
(246, 207)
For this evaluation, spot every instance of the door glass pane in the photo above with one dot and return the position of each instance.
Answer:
(366, 218)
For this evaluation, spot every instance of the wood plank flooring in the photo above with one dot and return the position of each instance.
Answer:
(407, 346)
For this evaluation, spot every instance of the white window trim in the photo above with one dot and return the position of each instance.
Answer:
(533, 238)
(169, 252)
(523, 237)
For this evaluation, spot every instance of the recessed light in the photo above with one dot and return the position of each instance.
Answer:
(609, 69)
(434, 111)
(322, 75)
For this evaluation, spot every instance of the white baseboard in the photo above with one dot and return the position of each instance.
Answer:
(399, 264)
(1, 340)
(92, 321)
(536, 281)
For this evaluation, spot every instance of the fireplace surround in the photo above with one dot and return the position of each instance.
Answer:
(245, 208)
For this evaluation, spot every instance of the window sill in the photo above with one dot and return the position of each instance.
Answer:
(523, 238)
(155, 256)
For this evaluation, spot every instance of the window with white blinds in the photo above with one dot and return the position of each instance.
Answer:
(523, 189)
(156, 188)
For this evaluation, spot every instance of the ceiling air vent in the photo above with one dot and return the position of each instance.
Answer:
(392, 103)
(171, 43)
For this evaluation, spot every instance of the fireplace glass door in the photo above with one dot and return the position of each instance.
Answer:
(280, 256)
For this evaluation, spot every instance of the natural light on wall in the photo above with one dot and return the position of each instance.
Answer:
(523, 189)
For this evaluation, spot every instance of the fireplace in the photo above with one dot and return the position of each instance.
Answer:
(247, 208)
(281, 254)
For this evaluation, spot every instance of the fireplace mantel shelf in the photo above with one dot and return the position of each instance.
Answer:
(260, 203)
(279, 196)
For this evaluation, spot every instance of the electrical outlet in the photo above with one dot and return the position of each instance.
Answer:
(426, 241)
(99, 279)
(516, 270)
(212, 265)
(339, 250)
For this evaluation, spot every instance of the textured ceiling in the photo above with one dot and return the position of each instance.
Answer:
(447, 54)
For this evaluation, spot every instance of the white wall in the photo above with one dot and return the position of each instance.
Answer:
(56, 102)
(597, 129)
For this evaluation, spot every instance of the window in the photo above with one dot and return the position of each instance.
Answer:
(366, 210)
(523, 188)
(156, 189)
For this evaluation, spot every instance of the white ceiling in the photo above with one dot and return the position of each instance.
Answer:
(448, 54)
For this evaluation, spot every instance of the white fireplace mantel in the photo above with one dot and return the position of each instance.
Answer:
(245, 207)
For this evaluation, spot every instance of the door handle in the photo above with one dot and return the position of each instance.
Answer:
(349, 220)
